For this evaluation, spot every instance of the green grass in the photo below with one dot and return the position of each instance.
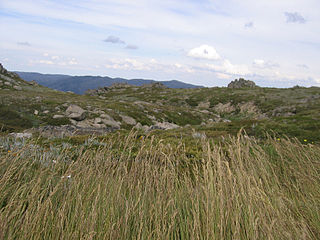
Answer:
(11, 120)
(122, 187)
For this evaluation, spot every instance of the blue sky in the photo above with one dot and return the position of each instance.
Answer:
(208, 42)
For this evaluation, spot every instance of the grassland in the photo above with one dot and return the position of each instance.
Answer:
(244, 164)
(122, 186)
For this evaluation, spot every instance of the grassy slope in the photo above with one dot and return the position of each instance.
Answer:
(180, 106)
(168, 184)
(121, 187)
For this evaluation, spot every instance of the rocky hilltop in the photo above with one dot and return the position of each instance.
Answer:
(10, 80)
(241, 83)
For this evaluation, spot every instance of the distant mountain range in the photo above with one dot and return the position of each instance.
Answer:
(79, 84)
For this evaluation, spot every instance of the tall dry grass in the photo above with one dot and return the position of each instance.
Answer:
(150, 190)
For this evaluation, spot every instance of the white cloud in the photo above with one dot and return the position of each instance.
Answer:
(127, 64)
(228, 68)
(223, 76)
(48, 62)
(259, 63)
(148, 65)
(204, 52)
(73, 61)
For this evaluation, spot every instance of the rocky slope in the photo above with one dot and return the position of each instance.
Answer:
(208, 111)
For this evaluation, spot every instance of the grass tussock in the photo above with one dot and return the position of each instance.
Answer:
(137, 188)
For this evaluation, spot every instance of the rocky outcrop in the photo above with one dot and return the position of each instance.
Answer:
(102, 90)
(11, 78)
(154, 85)
(33, 83)
(224, 108)
(164, 126)
(70, 130)
(156, 126)
(119, 85)
(241, 83)
(284, 111)
(76, 113)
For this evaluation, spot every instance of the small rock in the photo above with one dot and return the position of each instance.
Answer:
(57, 116)
(146, 128)
(36, 112)
(8, 84)
(226, 121)
(84, 124)
(34, 83)
(73, 122)
(164, 126)
(128, 120)
(111, 123)
(199, 135)
(46, 111)
(21, 135)
(205, 111)
(97, 120)
(17, 88)
(138, 126)
(99, 125)
(106, 116)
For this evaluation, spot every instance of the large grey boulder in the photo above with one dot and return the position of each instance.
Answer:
(128, 120)
(112, 123)
(108, 121)
(76, 113)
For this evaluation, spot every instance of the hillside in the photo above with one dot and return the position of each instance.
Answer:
(80, 84)
(151, 162)
(212, 112)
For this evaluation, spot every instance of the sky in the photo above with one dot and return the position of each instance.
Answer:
(275, 43)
